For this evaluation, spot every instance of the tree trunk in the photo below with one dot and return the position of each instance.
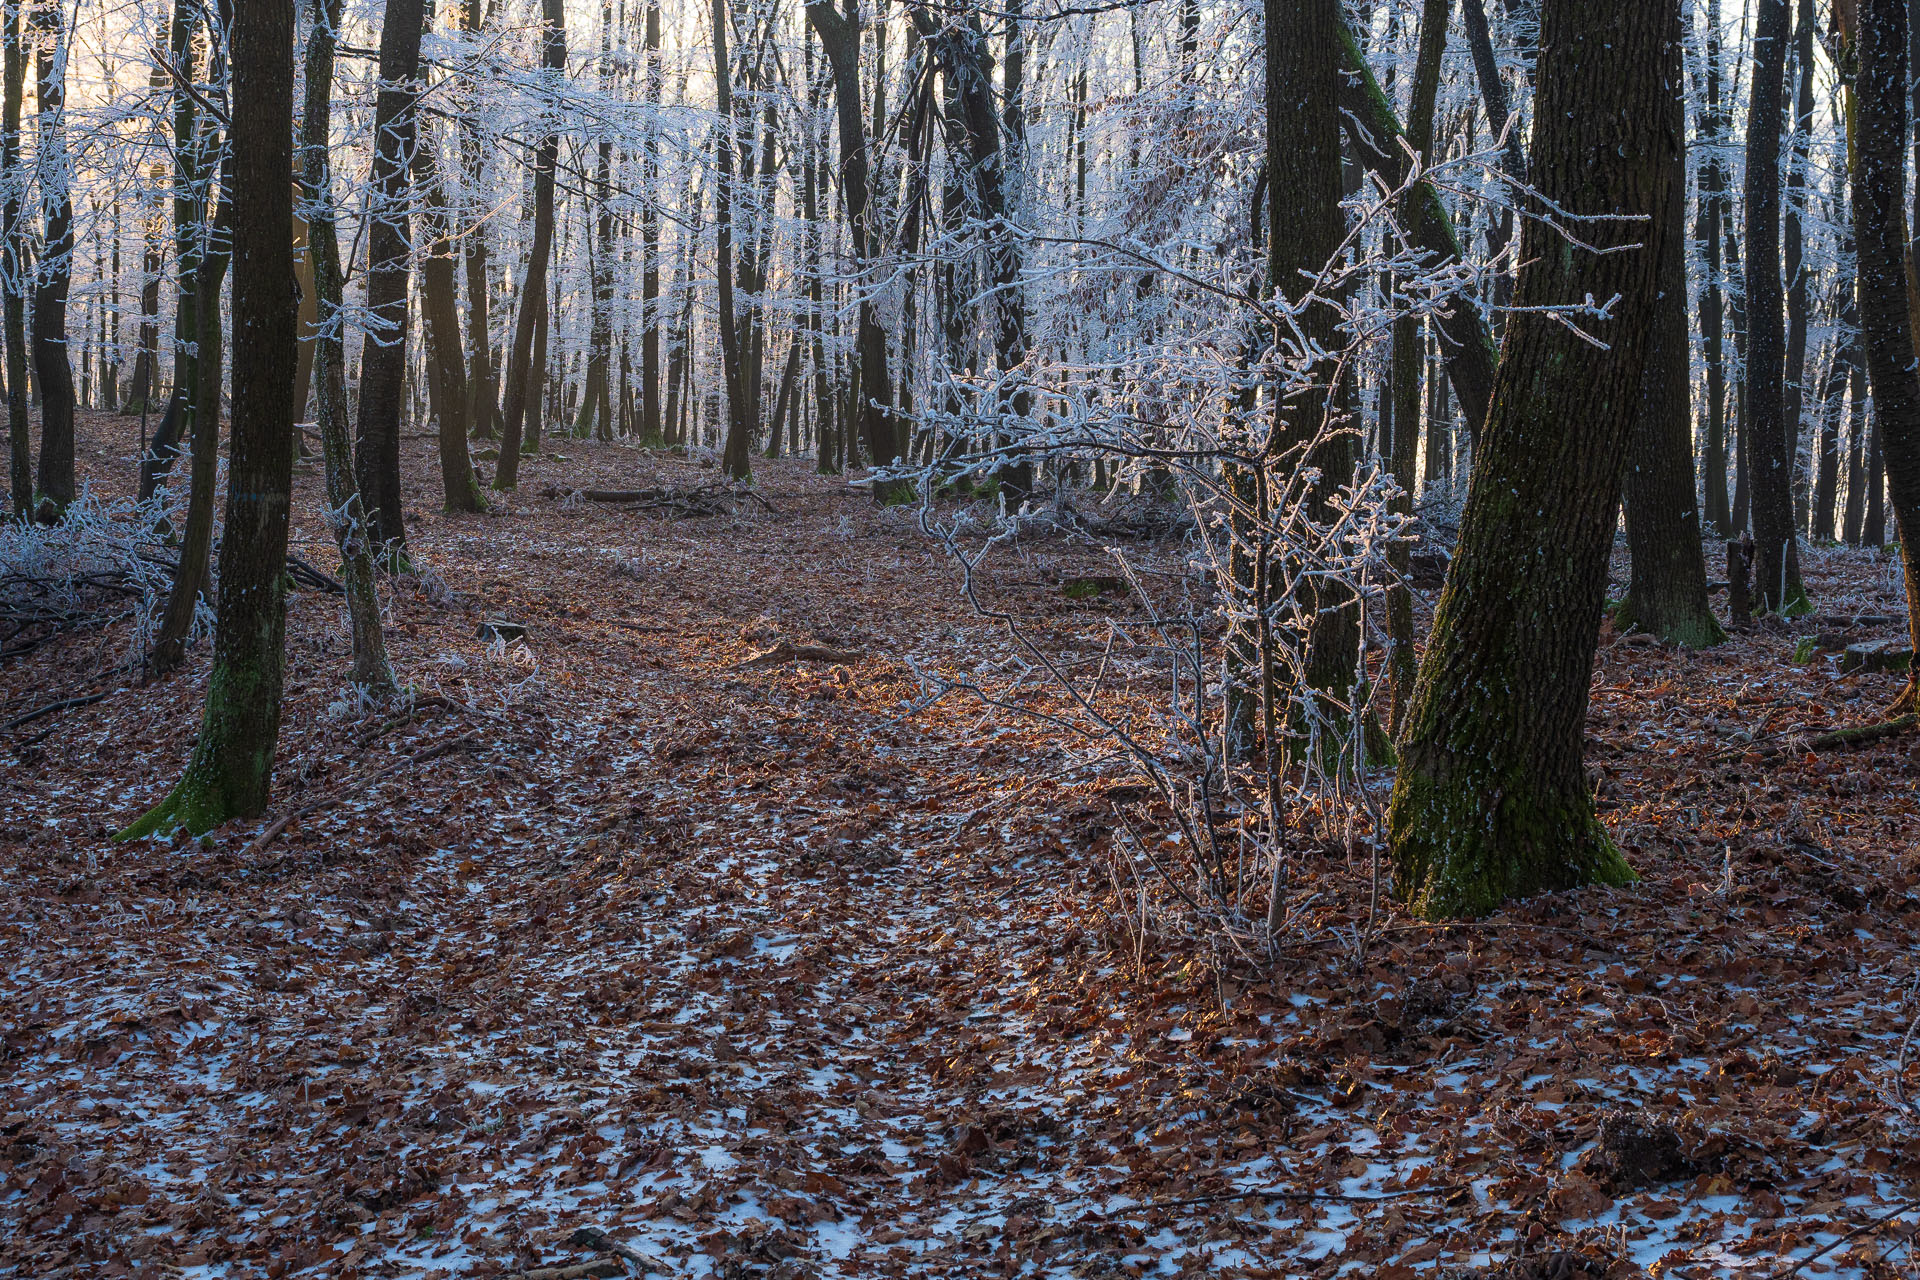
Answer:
(52, 370)
(1713, 184)
(840, 39)
(1880, 233)
(739, 414)
(485, 403)
(1492, 802)
(522, 375)
(1367, 114)
(188, 213)
(1667, 593)
(346, 515)
(383, 353)
(1798, 273)
(446, 367)
(650, 427)
(12, 269)
(1769, 464)
(232, 763)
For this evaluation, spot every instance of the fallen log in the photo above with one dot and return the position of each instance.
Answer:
(788, 651)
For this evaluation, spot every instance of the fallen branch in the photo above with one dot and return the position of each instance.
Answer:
(595, 1238)
(788, 651)
(281, 823)
(85, 700)
(1848, 1238)
(1861, 735)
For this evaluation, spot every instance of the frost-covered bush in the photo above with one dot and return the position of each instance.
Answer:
(106, 560)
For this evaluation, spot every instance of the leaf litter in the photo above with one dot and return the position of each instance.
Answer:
(647, 941)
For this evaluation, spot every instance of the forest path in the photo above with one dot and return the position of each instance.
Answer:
(745, 965)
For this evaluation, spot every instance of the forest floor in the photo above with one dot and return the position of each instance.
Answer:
(758, 969)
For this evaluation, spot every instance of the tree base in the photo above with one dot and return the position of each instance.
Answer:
(192, 805)
(1453, 859)
(1688, 628)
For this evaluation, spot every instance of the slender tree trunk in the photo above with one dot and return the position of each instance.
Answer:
(1798, 273)
(739, 414)
(52, 370)
(650, 428)
(383, 354)
(346, 515)
(1667, 593)
(1852, 521)
(1713, 184)
(188, 212)
(232, 764)
(1367, 115)
(485, 403)
(1879, 190)
(840, 39)
(1777, 585)
(446, 367)
(523, 375)
(1492, 802)
(13, 269)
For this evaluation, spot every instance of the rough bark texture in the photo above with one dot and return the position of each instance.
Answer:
(383, 355)
(1492, 802)
(232, 763)
(523, 377)
(1880, 233)
(1769, 464)
(484, 407)
(52, 370)
(1667, 593)
(650, 428)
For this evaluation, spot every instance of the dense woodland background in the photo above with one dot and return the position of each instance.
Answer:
(1146, 637)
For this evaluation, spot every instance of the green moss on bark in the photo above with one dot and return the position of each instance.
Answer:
(1457, 856)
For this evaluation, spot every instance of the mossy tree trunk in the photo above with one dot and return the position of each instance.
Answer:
(232, 764)
(1667, 593)
(1769, 462)
(1492, 802)
(1879, 225)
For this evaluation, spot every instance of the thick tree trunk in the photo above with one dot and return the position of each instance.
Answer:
(523, 376)
(446, 367)
(1492, 802)
(52, 370)
(232, 763)
(1880, 233)
(1777, 585)
(1667, 593)
(383, 354)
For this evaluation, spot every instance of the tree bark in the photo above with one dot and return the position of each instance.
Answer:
(52, 370)
(232, 763)
(739, 415)
(840, 40)
(1713, 184)
(1467, 346)
(1880, 234)
(523, 378)
(446, 367)
(1667, 592)
(347, 516)
(383, 353)
(1777, 585)
(12, 268)
(1492, 802)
